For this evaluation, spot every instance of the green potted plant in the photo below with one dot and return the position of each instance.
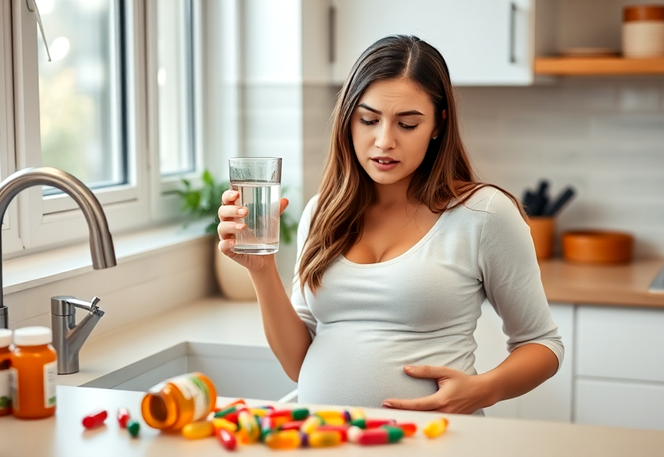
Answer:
(203, 202)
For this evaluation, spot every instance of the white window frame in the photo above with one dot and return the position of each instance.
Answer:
(42, 222)
(10, 236)
(167, 205)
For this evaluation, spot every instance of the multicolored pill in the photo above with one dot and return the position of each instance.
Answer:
(123, 417)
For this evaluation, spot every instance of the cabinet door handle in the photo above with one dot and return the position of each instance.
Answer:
(332, 25)
(513, 11)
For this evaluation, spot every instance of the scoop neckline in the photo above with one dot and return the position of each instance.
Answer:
(434, 228)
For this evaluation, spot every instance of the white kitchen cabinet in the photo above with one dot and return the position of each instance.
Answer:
(619, 403)
(485, 42)
(620, 366)
(552, 400)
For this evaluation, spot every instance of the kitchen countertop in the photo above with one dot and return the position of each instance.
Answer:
(63, 435)
(622, 285)
(216, 320)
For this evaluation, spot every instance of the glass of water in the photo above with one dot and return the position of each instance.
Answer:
(258, 180)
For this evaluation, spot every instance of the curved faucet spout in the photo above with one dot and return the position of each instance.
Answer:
(101, 242)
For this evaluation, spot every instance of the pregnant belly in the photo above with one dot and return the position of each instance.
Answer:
(351, 367)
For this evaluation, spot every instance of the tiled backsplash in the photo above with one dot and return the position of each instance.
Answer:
(605, 137)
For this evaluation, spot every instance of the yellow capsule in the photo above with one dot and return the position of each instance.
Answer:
(220, 422)
(288, 439)
(249, 426)
(311, 423)
(356, 413)
(338, 420)
(324, 438)
(329, 414)
(258, 412)
(332, 417)
(198, 430)
(435, 428)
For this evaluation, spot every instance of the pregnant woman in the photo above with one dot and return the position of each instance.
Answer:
(398, 251)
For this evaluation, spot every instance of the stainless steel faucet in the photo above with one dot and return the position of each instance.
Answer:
(68, 338)
(67, 343)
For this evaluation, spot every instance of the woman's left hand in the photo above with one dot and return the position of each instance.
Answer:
(458, 393)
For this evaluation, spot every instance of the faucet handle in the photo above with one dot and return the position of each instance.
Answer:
(65, 306)
(92, 306)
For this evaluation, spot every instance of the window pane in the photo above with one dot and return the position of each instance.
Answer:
(80, 90)
(175, 69)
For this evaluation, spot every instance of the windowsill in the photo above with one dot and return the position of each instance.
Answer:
(33, 270)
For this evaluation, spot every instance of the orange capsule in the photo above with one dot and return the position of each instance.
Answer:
(288, 439)
(408, 428)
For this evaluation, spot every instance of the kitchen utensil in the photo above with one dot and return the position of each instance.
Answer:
(597, 246)
(534, 203)
(557, 204)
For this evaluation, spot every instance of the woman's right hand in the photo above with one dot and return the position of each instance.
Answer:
(230, 217)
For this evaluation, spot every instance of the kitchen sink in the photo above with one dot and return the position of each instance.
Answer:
(239, 371)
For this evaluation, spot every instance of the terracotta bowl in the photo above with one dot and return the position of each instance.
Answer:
(597, 246)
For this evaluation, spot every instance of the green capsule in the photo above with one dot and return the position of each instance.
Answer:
(223, 412)
(394, 434)
(133, 427)
(300, 414)
(360, 422)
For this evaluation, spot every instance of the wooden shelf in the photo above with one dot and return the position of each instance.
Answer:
(597, 66)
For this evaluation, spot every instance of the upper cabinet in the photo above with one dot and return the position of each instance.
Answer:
(485, 42)
(494, 42)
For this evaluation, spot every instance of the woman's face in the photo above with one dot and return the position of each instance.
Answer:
(391, 129)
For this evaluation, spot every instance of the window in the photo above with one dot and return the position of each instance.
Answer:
(81, 90)
(115, 107)
(175, 81)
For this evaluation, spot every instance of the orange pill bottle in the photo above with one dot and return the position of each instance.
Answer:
(174, 403)
(33, 373)
(5, 357)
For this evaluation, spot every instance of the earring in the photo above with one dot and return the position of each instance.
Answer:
(435, 138)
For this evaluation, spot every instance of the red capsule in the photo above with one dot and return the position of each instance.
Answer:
(95, 419)
(342, 429)
(281, 413)
(291, 425)
(375, 423)
(123, 417)
(226, 438)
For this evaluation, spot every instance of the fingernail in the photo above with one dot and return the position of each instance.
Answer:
(239, 226)
(231, 243)
(242, 211)
(408, 368)
(387, 404)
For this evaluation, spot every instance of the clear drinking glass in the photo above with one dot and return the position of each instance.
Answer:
(258, 180)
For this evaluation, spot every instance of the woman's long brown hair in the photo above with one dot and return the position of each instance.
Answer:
(346, 190)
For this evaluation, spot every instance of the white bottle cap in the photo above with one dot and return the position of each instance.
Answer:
(5, 337)
(32, 336)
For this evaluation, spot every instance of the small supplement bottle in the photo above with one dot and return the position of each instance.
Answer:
(5, 357)
(33, 373)
(174, 403)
